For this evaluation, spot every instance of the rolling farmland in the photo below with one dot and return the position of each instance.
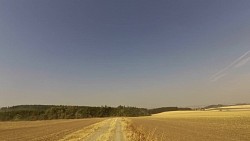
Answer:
(231, 124)
(110, 129)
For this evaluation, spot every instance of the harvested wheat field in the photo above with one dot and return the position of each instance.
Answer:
(106, 129)
(41, 130)
(216, 125)
(210, 125)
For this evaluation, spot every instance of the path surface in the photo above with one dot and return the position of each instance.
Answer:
(110, 131)
(107, 130)
(119, 133)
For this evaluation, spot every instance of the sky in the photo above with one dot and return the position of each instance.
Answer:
(124, 52)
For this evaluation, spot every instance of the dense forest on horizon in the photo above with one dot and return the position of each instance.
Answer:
(49, 112)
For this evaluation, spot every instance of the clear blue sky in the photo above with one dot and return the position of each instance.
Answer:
(130, 52)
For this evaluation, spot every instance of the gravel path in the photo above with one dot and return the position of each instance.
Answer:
(110, 131)
(119, 134)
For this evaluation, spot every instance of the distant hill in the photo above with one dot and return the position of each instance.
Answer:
(167, 109)
(214, 106)
(224, 105)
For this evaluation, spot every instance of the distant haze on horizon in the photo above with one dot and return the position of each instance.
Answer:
(124, 52)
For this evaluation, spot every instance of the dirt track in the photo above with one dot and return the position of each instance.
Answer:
(107, 130)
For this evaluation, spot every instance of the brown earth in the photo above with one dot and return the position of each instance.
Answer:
(105, 129)
(212, 125)
(42, 130)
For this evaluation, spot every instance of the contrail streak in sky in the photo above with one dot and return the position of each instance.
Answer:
(239, 62)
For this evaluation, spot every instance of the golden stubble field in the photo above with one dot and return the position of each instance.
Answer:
(94, 129)
(230, 124)
(50, 130)
(218, 124)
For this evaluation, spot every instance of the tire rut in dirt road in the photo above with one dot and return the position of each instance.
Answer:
(101, 132)
(111, 131)
(119, 133)
(107, 130)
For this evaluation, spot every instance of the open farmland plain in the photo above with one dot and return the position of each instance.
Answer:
(232, 124)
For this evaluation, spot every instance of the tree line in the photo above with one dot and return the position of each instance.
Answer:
(167, 109)
(48, 112)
